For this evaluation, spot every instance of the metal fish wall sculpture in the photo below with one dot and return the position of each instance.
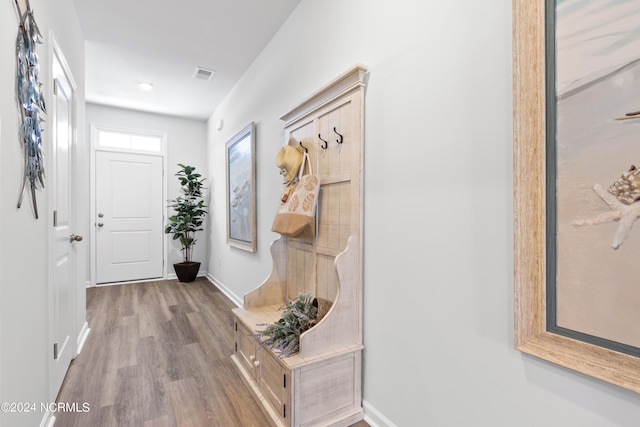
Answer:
(31, 104)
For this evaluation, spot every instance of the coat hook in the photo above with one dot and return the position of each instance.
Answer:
(339, 141)
(324, 143)
(305, 148)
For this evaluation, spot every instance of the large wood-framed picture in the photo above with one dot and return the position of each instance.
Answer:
(577, 185)
(241, 189)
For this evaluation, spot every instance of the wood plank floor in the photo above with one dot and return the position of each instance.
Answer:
(158, 355)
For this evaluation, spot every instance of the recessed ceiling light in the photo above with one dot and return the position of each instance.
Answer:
(145, 85)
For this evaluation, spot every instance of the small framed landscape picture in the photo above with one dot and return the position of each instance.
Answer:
(241, 189)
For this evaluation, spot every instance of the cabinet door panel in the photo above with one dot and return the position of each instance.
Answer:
(245, 348)
(273, 383)
(325, 390)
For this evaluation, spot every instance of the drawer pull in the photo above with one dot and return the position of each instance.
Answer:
(252, 358)
(256, 363)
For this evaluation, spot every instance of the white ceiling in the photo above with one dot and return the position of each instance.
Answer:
(163, 41)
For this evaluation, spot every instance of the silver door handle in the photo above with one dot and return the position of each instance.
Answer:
(75, 238)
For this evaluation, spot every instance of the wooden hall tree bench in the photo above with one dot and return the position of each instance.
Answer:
(321, 384)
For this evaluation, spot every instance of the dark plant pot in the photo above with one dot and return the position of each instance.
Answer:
(187, 271)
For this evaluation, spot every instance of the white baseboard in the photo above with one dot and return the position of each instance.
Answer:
(238, 301)
(82, 337)
(172, 276)
(48, 420)
(375, 417)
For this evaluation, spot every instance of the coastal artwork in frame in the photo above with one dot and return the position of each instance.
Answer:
(577, 185)
(241, 189)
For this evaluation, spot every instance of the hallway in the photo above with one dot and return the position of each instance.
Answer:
(158, 355)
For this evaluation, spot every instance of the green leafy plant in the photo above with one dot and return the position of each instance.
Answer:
(299, 315)
(189, 208)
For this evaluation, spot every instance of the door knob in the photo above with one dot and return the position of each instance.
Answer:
(75, 238)
(100, 224)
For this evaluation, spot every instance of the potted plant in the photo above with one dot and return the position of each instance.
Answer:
(190, 211)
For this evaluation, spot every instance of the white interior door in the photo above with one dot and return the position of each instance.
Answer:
(129, 215)
(63, 278)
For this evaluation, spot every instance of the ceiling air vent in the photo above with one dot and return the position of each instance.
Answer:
(203, 74)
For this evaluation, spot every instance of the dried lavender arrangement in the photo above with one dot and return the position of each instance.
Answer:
(299, 315)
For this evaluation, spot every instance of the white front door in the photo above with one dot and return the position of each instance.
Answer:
(129, 215)
(64, 240)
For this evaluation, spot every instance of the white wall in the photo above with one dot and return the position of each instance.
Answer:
(438, 262)
(1, 252)
(24, 255)
(186, 144)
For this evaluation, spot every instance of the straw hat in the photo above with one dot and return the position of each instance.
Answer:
(289, 159)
